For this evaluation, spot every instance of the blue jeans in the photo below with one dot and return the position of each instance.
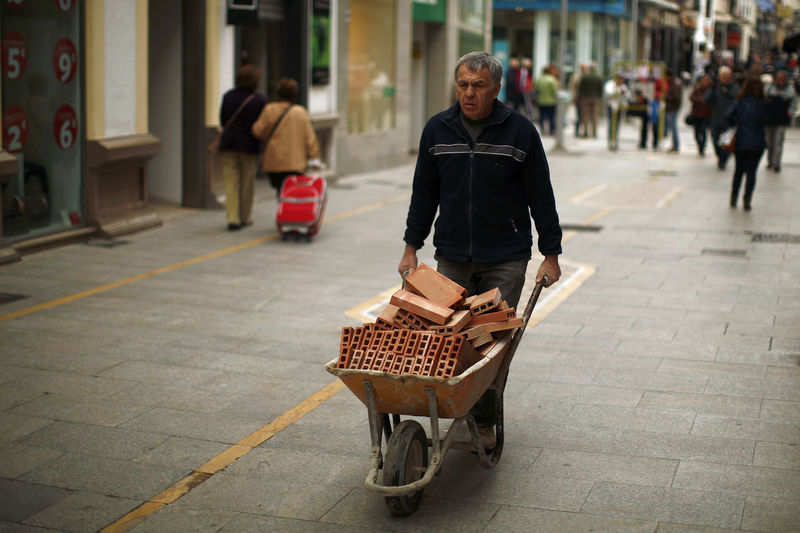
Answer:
(671, 125)
(478, 278)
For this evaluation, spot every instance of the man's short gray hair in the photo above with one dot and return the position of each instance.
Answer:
(475, 61)
(724, 70)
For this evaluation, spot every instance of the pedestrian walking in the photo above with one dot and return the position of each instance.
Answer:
(640, 107)
(747, 113)
(672, 102)
(546, 89)
(617, 96)
(701, 112)
(782, 105)
(291, 143)
(720, 97)
(484, 169)
(525, 88)
(590, 91)
(514, 98)
(574, 83)
(238, 148)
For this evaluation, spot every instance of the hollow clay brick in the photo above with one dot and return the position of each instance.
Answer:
(486, 301)
(504, 325)
(408, 365)
(494, 316)
(355, 361)
(467, 356)
(474, 333)
(437, 288)
(397, 363)
(486, 348)
(378, 361)
(458, 321)
(481, 340)
(453, 285)
(412, 321)
(421, 306)
(368, 359)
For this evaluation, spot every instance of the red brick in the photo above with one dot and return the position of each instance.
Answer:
(494, 316)
(485, 302)
(421, 307)
(455, 324)
(428, 283)
(355, 361)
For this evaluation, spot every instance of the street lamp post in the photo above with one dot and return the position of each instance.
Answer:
(560, 101)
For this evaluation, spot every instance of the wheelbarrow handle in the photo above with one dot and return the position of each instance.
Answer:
(502, 372)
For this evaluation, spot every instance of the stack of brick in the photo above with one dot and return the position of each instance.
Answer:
(429, 329)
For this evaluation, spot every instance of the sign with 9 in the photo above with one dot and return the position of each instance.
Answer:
(65, 60)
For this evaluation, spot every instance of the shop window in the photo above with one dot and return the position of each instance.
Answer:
(371, 66)
(42, 113)
(472, 13)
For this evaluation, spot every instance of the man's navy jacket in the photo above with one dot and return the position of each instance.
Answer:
(484, 190)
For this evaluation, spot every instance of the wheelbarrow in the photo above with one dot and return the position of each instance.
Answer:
(405, 468)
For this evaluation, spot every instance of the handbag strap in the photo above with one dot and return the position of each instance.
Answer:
(241, 106)
(274, 126)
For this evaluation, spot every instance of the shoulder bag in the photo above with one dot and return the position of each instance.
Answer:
(213, 146)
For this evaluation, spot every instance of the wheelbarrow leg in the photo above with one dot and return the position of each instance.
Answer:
(376, 424)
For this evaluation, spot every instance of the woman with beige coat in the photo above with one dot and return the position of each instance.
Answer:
(287, 130)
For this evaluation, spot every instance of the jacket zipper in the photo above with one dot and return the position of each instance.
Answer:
(469, 205)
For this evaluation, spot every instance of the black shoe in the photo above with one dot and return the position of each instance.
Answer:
(733, 200)
(234, 227)
(746, 203)
(777, 169)
(721, 166)
(246, 224)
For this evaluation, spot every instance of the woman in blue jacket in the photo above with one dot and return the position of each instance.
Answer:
(747, 113)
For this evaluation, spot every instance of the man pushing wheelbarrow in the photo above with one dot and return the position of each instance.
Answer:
(483, 166)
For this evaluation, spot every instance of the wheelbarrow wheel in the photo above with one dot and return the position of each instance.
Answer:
(406, 462)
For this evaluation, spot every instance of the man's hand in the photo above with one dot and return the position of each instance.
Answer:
(549, 268)
(409, 260)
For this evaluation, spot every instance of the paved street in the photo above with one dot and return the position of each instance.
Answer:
(178, 373)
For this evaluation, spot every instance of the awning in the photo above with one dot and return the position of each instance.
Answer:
(663, 4)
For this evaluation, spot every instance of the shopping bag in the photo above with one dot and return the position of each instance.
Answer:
(727, 140)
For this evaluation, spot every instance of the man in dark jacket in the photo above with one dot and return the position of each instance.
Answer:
(721, 97)
(672, 101)
(483, 167)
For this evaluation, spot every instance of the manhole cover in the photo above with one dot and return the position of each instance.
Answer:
(7, 298)
(776, 237)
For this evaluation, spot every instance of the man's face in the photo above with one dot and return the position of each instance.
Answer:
(780, 79)
(725, 77)
(476, 92)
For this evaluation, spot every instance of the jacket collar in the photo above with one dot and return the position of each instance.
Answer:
(500, 112)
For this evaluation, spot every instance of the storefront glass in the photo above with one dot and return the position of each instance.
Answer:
(371, 66)
(42, 113)
(471, 13)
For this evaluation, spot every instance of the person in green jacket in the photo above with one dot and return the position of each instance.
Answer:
(546, 97)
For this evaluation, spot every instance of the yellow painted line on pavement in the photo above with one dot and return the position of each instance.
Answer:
(224, 459)
(213, 255)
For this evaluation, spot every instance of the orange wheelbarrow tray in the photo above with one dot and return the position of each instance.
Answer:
(405, 466)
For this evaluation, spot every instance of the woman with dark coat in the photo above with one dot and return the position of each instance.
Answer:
(238, 147)
(747, 113)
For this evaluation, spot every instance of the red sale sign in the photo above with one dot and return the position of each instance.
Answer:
(15, 129)
(65, 5)
(15, 55)
(65, 127)
(65, 60)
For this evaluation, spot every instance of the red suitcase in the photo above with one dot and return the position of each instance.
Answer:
(301, 206)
